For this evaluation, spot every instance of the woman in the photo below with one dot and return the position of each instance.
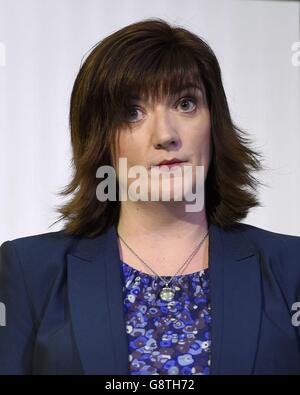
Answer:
(147, 286)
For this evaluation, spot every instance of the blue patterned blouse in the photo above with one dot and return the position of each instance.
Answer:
(167, 338)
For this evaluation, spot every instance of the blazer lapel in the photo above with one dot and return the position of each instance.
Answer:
(236, 301)
(96, 304)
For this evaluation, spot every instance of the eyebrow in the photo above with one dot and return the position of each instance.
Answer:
(181, 89)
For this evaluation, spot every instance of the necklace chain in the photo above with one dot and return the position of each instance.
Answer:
(185, 264)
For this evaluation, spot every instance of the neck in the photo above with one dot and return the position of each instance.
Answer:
(161, 223)
(163, 238)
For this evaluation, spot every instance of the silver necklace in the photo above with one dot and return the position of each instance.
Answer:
(167, 293)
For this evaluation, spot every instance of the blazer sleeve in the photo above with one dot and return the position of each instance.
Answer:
(288, 277)
(17, 326)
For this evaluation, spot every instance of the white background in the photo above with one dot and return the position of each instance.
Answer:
(42, 44)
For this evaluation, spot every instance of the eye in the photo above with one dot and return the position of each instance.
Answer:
(185, 101)
(131, 112)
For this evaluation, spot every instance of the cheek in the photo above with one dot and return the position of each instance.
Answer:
(201, 139)
(206, 126)
(206, 134)
(123, 146)
(130, 149)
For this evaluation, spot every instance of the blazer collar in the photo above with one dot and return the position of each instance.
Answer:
(96, 302)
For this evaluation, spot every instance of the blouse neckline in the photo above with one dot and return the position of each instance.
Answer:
(141, 273)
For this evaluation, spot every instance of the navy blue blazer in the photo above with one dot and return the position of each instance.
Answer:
(64, 306)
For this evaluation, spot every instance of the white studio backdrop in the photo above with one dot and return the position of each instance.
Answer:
(42, 44)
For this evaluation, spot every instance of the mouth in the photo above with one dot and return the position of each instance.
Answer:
(170, 164)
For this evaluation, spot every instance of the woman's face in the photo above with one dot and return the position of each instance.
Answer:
(175, 128)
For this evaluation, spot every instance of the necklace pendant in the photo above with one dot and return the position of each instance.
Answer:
(167, 294)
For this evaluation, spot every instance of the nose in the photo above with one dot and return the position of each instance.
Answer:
(165, 135)
(167, 144)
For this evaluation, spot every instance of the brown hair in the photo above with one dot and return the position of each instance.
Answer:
(151, 58)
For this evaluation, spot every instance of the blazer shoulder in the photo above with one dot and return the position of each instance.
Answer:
(266, 238)
(39, 259)
(279, 251)
(41, 246)
(40, 255)
(44, 238)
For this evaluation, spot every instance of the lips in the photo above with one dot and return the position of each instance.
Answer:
(171, 165)
(170, 162)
